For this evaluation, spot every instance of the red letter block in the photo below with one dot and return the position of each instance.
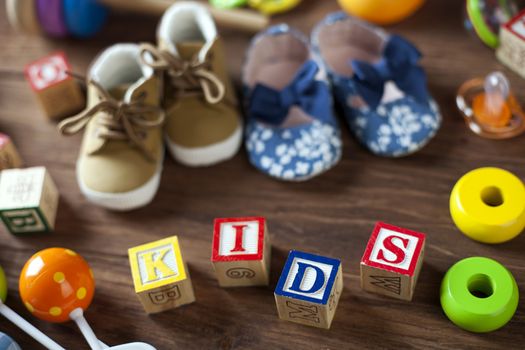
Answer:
(392, 261)
(241, 251)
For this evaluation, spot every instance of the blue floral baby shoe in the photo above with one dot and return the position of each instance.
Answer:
(291, 131)
(378, 84)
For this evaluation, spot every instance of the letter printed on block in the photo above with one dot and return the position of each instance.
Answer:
(241, 251)
(309, 289)
(392, 261)
(160, 275)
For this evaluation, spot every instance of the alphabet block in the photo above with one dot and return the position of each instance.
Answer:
(9, 157)
(241, 251)
(28, 200)
(392, 261)
(309, 289)
(511, 51)
(160, 275)
(58, 93)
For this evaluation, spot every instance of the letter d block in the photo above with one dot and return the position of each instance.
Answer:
(309, 289)
(28, 200)
(160, 276)
(241, 252)
(392, 261)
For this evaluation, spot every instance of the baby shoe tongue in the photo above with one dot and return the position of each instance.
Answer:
(188, 50)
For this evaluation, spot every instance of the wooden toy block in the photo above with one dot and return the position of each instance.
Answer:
(9, 157)
(28, 200)
(241, 251)
(309, 289)
(59, 94)
(392, 260)
(160, 275)
(511, 51)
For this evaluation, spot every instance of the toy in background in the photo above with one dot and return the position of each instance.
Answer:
(28, 200)
(268, 7)
(85, 18)
(511, 51)
(59, 94)
(485, 17)
(479, 294)
(392, 261)
(309, 289)
(160, 275)
(488, 205)
(490, 108)
(7, 343)
(381, 12)
(9, 157)
(241, 252)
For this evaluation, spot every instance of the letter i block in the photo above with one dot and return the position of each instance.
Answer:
(28, 200)
(241, 252)
(392, 261)
(160, 276)
(309, 289)
(9, 157)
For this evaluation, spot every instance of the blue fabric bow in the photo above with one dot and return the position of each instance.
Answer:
(399, 64)
(271, 106)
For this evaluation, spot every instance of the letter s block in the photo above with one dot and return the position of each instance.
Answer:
(392, 261)
(309, 289)
(160, 276)
(28, 200)
(241, 252)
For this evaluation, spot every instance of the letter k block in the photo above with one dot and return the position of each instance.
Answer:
(309, 289)
(160, 276)
(241, 252)
(392, 261)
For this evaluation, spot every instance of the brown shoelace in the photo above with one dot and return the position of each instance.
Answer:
(186, 76)
(121, 120)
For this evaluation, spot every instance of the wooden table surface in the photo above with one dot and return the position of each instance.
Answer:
(332, 215)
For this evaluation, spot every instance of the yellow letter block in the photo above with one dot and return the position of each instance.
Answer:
(160, 275)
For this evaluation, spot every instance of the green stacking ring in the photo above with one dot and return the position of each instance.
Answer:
(479, 294)
(3, 285)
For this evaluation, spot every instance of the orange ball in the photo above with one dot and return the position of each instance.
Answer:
(381, 11)
(54, 282)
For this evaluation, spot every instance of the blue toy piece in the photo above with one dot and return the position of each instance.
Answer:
(84, 18)
(6, 343)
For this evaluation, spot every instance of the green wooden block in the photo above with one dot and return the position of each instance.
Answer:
(28, 200)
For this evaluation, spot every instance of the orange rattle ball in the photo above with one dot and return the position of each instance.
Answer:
(54, 282)
(381, 11)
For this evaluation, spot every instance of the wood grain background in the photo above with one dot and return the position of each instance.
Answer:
(332, 215)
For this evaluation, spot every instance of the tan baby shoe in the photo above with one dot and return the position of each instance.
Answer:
(203, 126)
(122, 151)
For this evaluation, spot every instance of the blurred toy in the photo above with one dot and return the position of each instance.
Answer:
(511, 51)
(160, 275)
(59, 94)
(85, 18)
(309, 289)
(9, 157)
(57, 285)
(381, 12)
(28, 200)
(241, 252)
(484, 18)
(488, 205)
(490, 108)
(6, 343)
(392, 261)
(267, 7)
(479, 294)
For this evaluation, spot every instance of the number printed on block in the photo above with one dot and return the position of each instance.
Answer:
(28, 200)
(160, 275)
(241, 251)
(9, 157)
(58, 93)
(392, 261)
(309, 289)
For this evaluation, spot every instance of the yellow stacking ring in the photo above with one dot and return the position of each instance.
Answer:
(488, 205)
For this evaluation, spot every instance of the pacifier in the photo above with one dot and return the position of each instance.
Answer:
(489, 107)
